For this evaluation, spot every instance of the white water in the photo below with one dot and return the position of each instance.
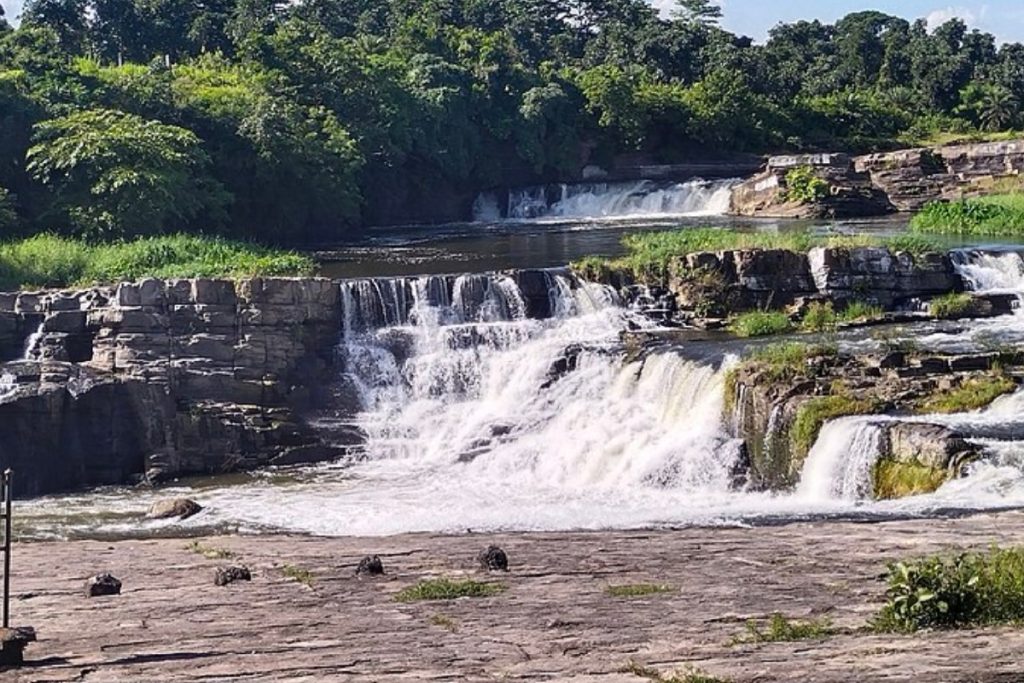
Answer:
(468, 427)
(642, 198)
(31, 349)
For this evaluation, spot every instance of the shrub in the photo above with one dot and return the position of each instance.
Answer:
(971, 395)
(448, 589)
(780, 629)
(952, 305)
(819, 317)
(858, 311)
(993, 215)
(971, 589)
(804, 186)
(760, 324)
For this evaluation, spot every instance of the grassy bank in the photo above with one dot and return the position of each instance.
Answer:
(649, 254)
(50, 261)
(998, 214)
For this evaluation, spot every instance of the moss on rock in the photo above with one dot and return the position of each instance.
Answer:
(894, 479)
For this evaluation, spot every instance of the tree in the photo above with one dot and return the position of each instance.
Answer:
(704, 12)
(999, 108)
(66, 18)
(118, 175)
(8, 215)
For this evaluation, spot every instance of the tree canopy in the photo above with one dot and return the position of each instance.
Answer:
(300, 122)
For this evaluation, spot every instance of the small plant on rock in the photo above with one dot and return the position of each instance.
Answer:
(448, 589)
(637, 590)
(951, 305)
(804, 186)
(760, 324)
(781, 629)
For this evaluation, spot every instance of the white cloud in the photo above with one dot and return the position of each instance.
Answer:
(941, 16)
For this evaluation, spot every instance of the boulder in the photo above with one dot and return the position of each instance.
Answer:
(370, 566)
(228, 575)
(12, 643)
(102, 584)
(493, 559)
(182, 508)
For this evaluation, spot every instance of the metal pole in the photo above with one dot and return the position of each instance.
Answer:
(7, 548)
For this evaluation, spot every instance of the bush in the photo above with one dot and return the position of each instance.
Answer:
(972, 589)
(819, 317)
(994, 215)
(51, 261)
(448, 589)
(803, 186)
(952, 305)
(760, 324)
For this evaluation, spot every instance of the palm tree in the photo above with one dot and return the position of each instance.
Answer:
(999, 108)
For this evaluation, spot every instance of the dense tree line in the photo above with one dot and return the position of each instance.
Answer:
(283, 121)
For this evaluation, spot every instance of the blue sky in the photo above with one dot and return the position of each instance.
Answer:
(1004, 18)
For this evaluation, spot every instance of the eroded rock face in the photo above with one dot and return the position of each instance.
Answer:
(182, 508)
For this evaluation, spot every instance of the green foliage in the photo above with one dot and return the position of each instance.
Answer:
(8, 215)
(787, 360)
(209, 552)
(119, 175)
(819, 317)
(298, 574)
(993, 215)
(780, 629)
(812, 416)
(51, 261)
(690, 675)
(952, 305)
(760, 324)
(972, 589)
(971, 395)
(638, 590)
(448, 589)
(804, 186)
(893, 479)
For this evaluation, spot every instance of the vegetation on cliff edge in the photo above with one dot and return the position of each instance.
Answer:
(760, 324)
(53, 261)
(973, 394)
(1000, 214)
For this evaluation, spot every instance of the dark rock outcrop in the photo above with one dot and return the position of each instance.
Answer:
(228, 575)
(493, 559)
(370, 566)
(102, 584)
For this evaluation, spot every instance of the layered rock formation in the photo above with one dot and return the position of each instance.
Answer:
(161, 378)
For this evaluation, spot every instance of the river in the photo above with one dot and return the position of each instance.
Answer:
(480, 418)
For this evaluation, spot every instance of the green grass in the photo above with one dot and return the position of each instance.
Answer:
(998, 214)
(952, 305)
(893, 480)
(780, 629)
(52, 261)
(690, 675)
(298, 574)
(760, 324)
(971, 395)
(812, 415)
(651, 254)
(822, 317)
(782, 361)
(968, 590)
(209, 552)
(638, 590)
(448, 589)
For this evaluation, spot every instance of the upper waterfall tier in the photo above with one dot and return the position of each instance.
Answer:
(608, 200)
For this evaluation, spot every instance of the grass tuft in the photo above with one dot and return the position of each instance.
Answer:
(298, 574)
(638, 590)
(893, 480)
(971, 395)
(780, 629)
(209, 552)
(760, 324)
(448, 589)
(997, 214)
(952, 305)
(445, 622)
(691, 675)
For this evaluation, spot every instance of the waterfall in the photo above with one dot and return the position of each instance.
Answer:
(608, 200)
(990, 272)
(31, 350)
(839, 465)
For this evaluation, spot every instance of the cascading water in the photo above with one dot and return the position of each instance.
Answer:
(839, 465)
(611, 200)
(990, 272)
(31, 350)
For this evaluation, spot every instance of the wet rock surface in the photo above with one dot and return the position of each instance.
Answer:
(182, 508)
(558, 622)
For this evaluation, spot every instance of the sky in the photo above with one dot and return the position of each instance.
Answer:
(1003, 18)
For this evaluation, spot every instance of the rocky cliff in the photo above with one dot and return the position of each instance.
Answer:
(160, 378)
(876, 184)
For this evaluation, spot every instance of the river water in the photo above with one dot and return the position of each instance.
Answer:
(478, 417)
